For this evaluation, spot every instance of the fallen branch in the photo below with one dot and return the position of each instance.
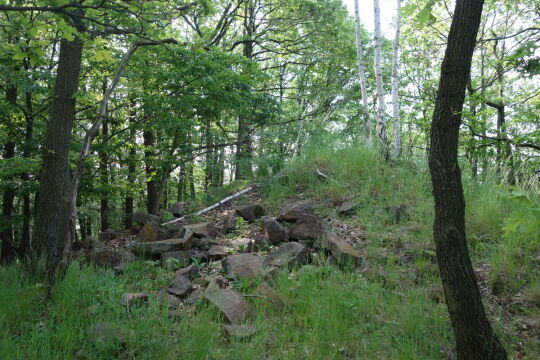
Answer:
(211, 207)
(320, 173)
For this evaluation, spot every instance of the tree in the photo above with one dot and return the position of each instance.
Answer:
(474, 335)
(381, 118)
(361, 70)
(395, 86)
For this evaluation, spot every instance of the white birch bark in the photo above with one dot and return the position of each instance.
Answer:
(395, 82)
(381, 121)
(361, 71)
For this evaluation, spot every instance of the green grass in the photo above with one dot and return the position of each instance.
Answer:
(391, 308)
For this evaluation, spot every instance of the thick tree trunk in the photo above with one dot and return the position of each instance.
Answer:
(53, 207)
(381, 120)
(475, 338)
(104, 173)
(361, 70)
(395, 84)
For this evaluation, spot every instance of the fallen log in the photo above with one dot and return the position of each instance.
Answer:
(211, 207)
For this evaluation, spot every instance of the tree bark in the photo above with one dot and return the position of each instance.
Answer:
(474, 336)
(53, 207)
(25, 234)
(129, 202)
(395, 84)
(103, 170)
(152, 205)
(381, 120)
(361, 71)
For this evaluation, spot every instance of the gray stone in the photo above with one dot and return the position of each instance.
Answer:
(241, 244)
(178, 209)
(105, 334)
(150, 232)
(342, 251)
(171, 301)
(108, 235)
(308, 228)
(231, 304)
(204, 243)
(274, 230)
(104, 257)
(293, 211)
(142, 218)
(184, 257)
(218, 252)
(180, 286)
(250, 212)
(240, 331)
(191, 272)
(90, 242)
(248, 265)
(288, 255)
(205, 229)
(130, 299)
(229, 223)
(261, 243)
(347, 207)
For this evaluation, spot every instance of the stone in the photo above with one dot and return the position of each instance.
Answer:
(171, 301)
(229, 223)
(264, 289)
(142, 218)
(276, 232)
(261, 243)
(178, 209)
(293, 211)
(194, 297)
(160, 247)
(232, 305)
(308, 228)
(204, 243)
(184, 257)
(250, 212)
(150, 232)
(243, 266)
(241, 244)
(342, 251)
(240, 331)
(398, 213)
(107, 235)
(218, 252)
(191, 272)
(130, 299)
(107, 334)
(205, 229)
(288, 255)
(104, 257)
(180, 286)
(90, 242)
(347, 207)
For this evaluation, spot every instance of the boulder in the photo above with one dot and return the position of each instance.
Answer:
(191, 272)
(90, 242)
(150, 232)
(142, 218)
(108, 235)
(260, 243)
(250, 212)
(218, 252)
(194, 297)
(288, 255)
(342, 251)
(293, 211)
(241, 244)
(184, 257)
(308, 228)
(171, 301)
(274, 230)
(130, 299)
(178, 209)
(347, 207)
(104, 257)
(160, 247)
(264, 289)
(180, 286)
(205, 229)
(232, 305)
(229, 223)
(204, 243)
(240, 331)
(248, 265)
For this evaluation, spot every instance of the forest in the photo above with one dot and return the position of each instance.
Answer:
(270, 179)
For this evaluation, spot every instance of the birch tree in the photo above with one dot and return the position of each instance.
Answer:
(395, 80)
(381, 121)
(361, 71)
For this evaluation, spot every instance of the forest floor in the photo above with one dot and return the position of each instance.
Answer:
(388, 305)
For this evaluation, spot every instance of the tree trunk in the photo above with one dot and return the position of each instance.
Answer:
(361, 71)
(103, 171)
(128, 222)
(53, 207)
(25, 234)
(395, 84)
(381, 121)
(151, 185)
(475, 338)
